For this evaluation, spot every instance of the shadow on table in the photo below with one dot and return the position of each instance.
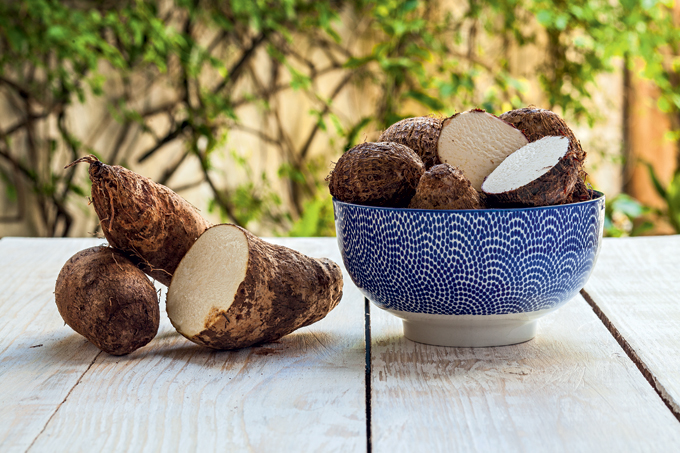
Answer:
(71, 347)
(297, 346)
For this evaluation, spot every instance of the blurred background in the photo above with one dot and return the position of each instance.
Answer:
(242, 106)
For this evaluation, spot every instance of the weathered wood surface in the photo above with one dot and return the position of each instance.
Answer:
(570, 389)
(304, 393)
(636, 286)
(573, 388)
(40, 359)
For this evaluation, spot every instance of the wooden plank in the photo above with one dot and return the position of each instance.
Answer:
(40, 360)
(636, 288)
(572, 388)
(304, 393)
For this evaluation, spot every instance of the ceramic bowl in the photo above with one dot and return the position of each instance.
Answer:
(470, 278)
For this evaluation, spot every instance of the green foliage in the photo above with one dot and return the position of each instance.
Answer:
(625, 216)
(317, 219)
(670, 195)
(416, 55)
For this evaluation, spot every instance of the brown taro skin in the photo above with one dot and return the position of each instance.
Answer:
(580, 193)
(377, 174)
(537, 123)
(421, 134)
(552, 188)
(283, 291)
(105, 298)
(445, 187)
(150, 223)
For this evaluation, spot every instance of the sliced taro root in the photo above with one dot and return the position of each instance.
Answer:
(542, 173)
(421, 134)
(233, 290)
(445, 187)
(477, 142)
(539, 123)
(376, 174)
(580, 193)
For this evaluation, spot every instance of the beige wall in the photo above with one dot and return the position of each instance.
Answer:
(93, 125)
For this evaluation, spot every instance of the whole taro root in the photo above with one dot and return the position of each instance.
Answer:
(104, 297)
(421, 134)
(150, 223)
(445, 187)
(376, 174)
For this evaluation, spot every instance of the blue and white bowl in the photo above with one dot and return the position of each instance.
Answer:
(470, 277)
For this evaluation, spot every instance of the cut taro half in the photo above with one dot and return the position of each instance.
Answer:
(542, 173)
(477, 142)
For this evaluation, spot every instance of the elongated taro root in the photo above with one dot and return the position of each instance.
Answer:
(104, 297)
(542, 173)
(233, 290)
(377, 174)
(421, 134)
(445, 187)
(476, 142)
(150, 223)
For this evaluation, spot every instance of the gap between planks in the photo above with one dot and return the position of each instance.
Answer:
(367, 341)
(633, 356)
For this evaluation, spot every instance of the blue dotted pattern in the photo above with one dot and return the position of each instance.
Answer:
(477, 262)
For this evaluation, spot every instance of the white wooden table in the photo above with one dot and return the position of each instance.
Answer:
(603, 374)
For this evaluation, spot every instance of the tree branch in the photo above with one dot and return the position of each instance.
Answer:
(233, 73)
(305, 148)
(22, 124)
(219, 199)
(169, 137)
(21, 91)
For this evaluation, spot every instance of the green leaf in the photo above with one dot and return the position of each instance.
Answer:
(544, 18)
(353, 63)
(425, 99)
(673, 201)
(628, 206)
(655, 180)
(56, 32)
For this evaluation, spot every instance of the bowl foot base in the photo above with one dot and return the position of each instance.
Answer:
(472, 331)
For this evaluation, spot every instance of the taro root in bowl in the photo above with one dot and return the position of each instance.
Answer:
(470, 278)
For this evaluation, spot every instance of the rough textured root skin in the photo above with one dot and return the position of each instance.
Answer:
(421, 134)
(104, 297)
(283, 291)
(539, 123)
(149, 222)
(580, 193)
(377, 174)
(445, 187)
(554, 187)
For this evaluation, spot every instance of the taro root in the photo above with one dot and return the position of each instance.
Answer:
(105, 298)
(542, 173)
(580, 193)
(233, 290)
(150, 223)
(477, 142)
(445, 187)
(539, 123)
(377, 174)
(421, 134)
